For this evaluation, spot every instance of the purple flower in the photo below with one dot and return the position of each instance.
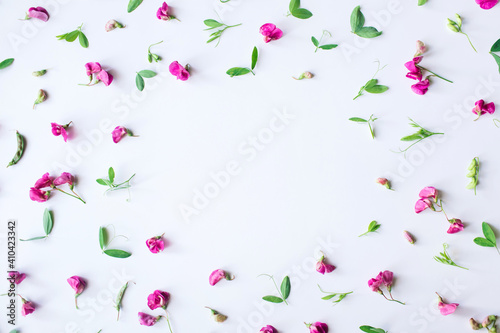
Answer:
(45, 181)
(64, 178)
(38, 13)
(481, 108)
(158, 299)
(421, 87)
(155, 244)
(16, 277)
(268, 329)
(162, 13)
(456, 226)
(147, 320)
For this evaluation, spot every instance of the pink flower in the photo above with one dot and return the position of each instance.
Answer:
(27, 307)
(423, 204)
(456, 226)
(92, 67)
(16, 277)
(268, 329)
(317, 327)
(445, 308)
(270, 32)
(77, 283)
(38, 13)
(415, 72)
(375, 284)
(64, 178)
(179, 71)
(421, 87)
(322, 267)
(120, 132)
(481, 108)
(421, 48)
(155, 244)
(428, 192)
(60, 130)
(386, 277)
(105, 77)
(162, 13)
(158, 299)
(147, 320)
(45, 181)
(112, 25)
(487, 4)
(38, 195)
(218, 275)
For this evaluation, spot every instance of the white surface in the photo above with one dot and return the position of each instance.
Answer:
(311, 186)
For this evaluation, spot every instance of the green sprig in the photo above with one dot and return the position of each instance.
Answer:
(372, 227)
(333, 296)
(152, 56)
(368, 121)
(372, 85)
(473, 174)
(317, 42)
(238, 71)
(418, 136)
(445, 258)
(283, 291)
(110, 182)
(217, 35)
(73, 35)
(456, 26)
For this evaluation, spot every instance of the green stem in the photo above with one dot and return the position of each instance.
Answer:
(468, 40)
(371, 130)
(360, 93)
(71, 195)
(437, 75)
(168, 322)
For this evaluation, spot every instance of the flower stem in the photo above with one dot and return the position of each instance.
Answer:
(437, 75)
(71, 195)
(468, 40)
(168, 322)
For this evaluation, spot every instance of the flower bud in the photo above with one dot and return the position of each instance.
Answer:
(41, 97)
(112, 25)
(474, 324)
(409, 237)
(218, 317)
(40, 73)
(421, 48)
(384, 182)
(486, 321)
(305, 75)
(459, 20)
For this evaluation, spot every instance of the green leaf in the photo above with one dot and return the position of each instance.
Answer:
(285, 287)
(358, 120)
(111, 174)
(102, 182)
(237, 71)
(489, 234)
(370, 329)
(315, 41)
(72, 36)
(357, 19)
(103, 237)
(413, 137)
(471, 185)
(368, 32)
(117, 253)
(147, 74)
(497, 59)
(48, 222)
(373, 226)
(212, 23)
(139, 82)
(376, 89)
(302, 13)
(483, 242)
(6, 63)
(422, 2)
(61, 37)
(84, 42)
(255, 57)
(34, 238)
(326, 298)
(371, 83)
(495, 47)
(294, 4)
(133, 4)
(272, 299)
(328, 46)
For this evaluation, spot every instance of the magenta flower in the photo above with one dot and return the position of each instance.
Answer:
(38, 13)
(385, 278)
(64, 178)
(45, 181)
(38, 195)
(96, 73)
(322, 267)
(16, 277)
(423, 204)
(179, 71)
(158, 299)
(27, 307)
(415, 72)
(78, 285)
(429, 192)
(270, 32)
(92, 68)
(456, 226)
(162, 13)
(218, 275)
(317, 327)
(375, 284)
(268, 329)
(60, 130)
(147, 320)
(481, 108)
(105, 77)
(120, 132)
(421, 87)
(155, 244)
(446, 308)
(487, 4)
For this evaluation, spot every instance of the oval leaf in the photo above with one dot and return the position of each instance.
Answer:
(483, 242)
(117, 253)
(139, 82)
(301, 13)
(255, 56)
(84, 42)
(357, 19)
(294, 4)
(315, 41)
(111, 174)
(328, 46)
(285, 287)
(147, 74)
(72, 36)
(272, 299)
(6, 63)
(133, 4)
(496, 46)
(212, 23)
(358, 120)
(489, 234)
(368, 32)
(377, 89)
(237, 71)
(497, 59)
(48, 223)
(103, 237)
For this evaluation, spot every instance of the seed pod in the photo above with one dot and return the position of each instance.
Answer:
(42, 96)
(474, 324)
(19, 151)
(218, 317)
(119, 297)
(40, 73)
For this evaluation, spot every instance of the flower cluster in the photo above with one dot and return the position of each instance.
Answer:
(37, 192)
(97, 74)
(480, 108)
(383, 279)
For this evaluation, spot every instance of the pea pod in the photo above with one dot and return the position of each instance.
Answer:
(20, 150)
(119, 297)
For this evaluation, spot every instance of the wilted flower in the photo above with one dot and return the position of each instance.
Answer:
(120, 132)
(60, 130)
(16, 277)
(481, 108)
(421, 48)
(40, 98)
(155, 244)
(39, 73)
(218, 275)
(112, 25)
(158, 299)
(446, 308)
(305, 75)
(268, 329)
(322, 267)
(78, 285)
(38, 13)
(270, 32)
(317, 327)
(218, 317)
(179, 71)
(474, 324)
(147, 320)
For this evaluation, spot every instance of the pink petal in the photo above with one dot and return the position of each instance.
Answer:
(447, 309)
(487, 4)
(175, 68)
(421, 87)
(92, 67)
(422, 204)
(267, 29)
(38, 13)
(428, 192)
(489, 108)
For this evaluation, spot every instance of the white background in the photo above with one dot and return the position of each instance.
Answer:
(311, 187)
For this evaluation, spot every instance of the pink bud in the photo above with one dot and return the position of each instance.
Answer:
(112, 25)
(421, 48)
(408, 237)
(27, 307)
(147, 320)
(218, 275)
(155, 244)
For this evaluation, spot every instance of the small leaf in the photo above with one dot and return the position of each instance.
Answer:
(328, 46)
(371, 83)
(133, 4)
(357, 19)
(422, 2)
(413, 137)
(497, 59)
(103, 237)
(102, 182)
(237, 71)
(272, 299)
(377, 89)
(6, 63)
(315, 41)
(111, 174)
(72, 36)
(489, 234)
(358, 120)
(61, 37)
(212, 23)
(255, 56)
(326, 298)
(373, 226)
(48, 223)
(84, 42)
(117, 253)
(302, 13)
(495, 47)
(285, 287)
(294, 4)
(147, 74)
(139, 82)
(471, 185)
(483, 242)
(368, 32)
(370, 329)
(34, 238)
